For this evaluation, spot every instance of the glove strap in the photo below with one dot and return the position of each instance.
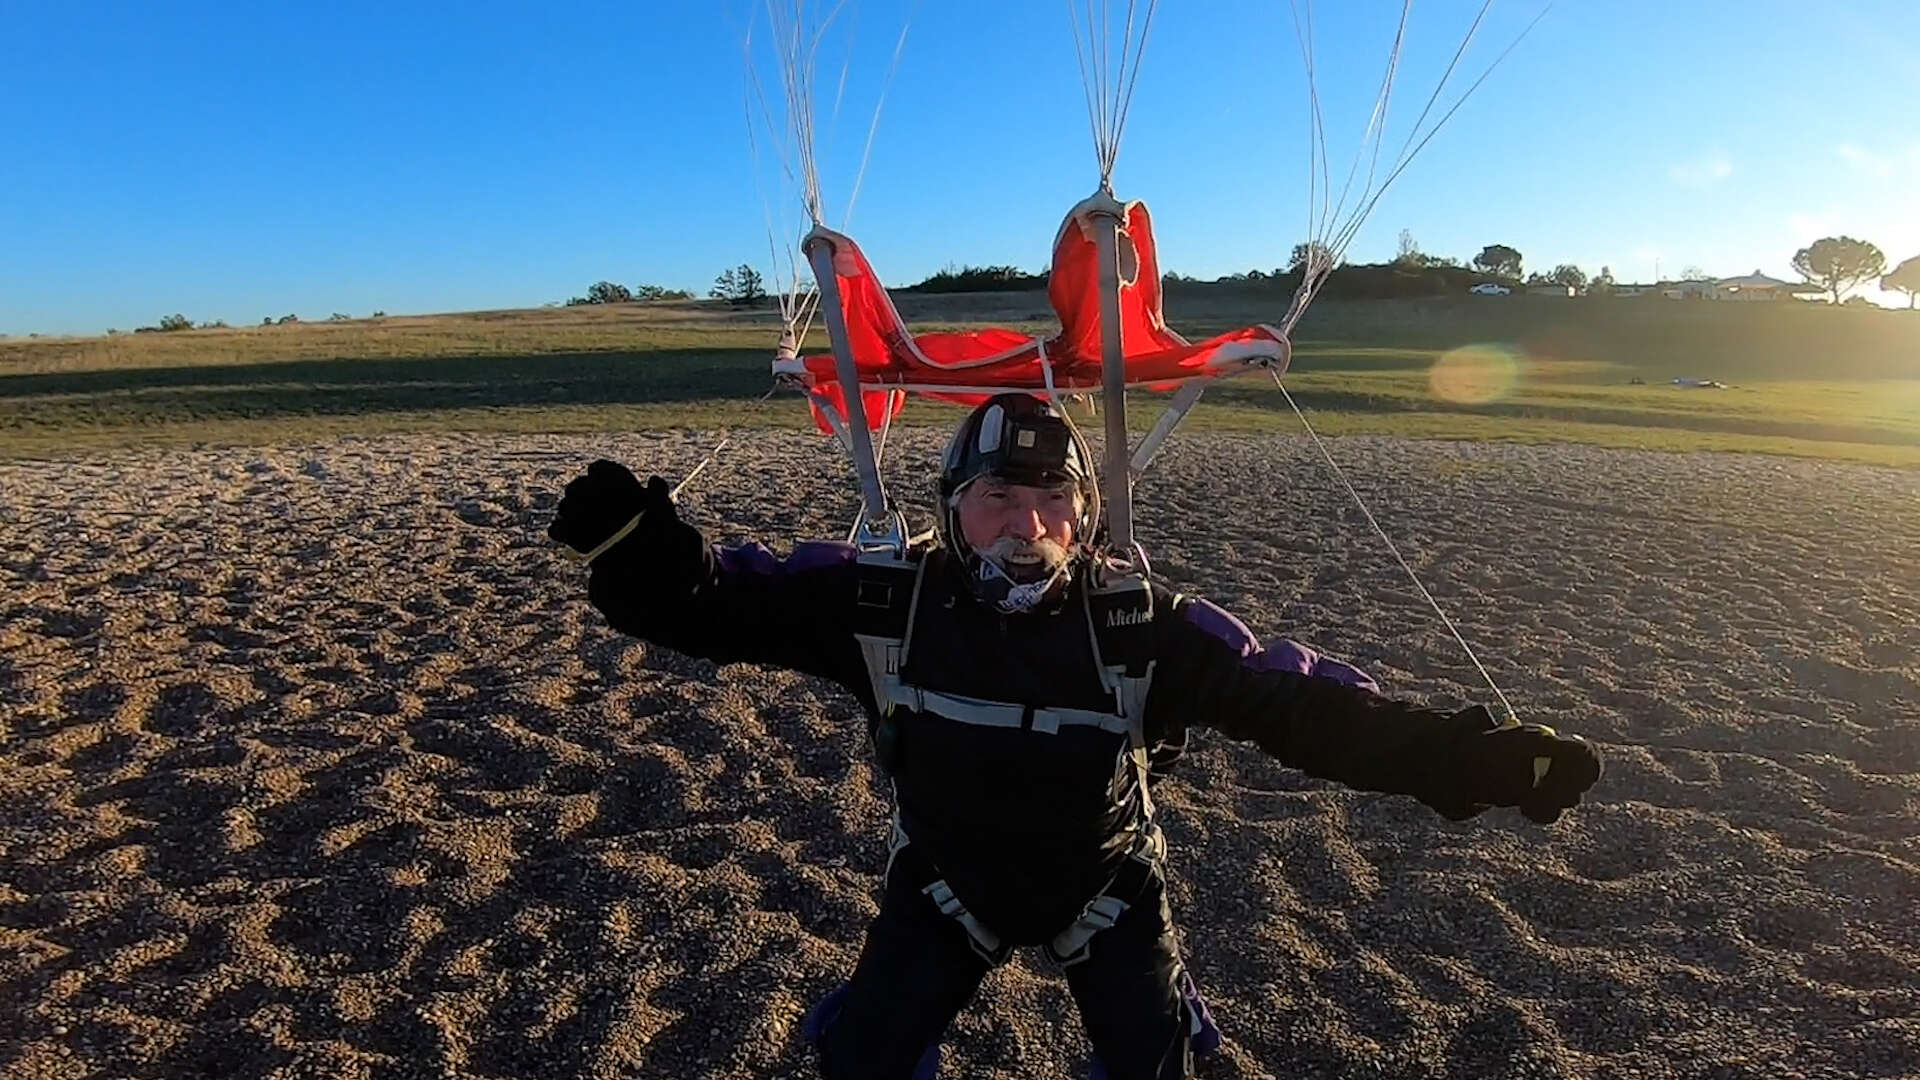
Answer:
(625, 530)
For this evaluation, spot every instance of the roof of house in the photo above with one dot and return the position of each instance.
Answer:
(1757, 280)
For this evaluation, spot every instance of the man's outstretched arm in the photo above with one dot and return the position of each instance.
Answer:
(1459, 763)
(663, 582)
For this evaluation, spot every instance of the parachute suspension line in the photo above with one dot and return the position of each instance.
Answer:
(1316, 132)
(797, 54)
(1328, 241)
(796, 296)
(789, 294)
(1377, 120)
(1512, 718)
(1108, 92)
(713, 453)
(866, 152)
(1086, 83)
(886, 427)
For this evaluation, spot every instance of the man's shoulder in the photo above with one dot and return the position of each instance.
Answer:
(1189, 614)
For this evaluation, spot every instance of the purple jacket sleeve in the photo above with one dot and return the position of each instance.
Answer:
(1323, 717)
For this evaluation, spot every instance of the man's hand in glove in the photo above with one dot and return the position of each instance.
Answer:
(609, 508)
(1528, 766)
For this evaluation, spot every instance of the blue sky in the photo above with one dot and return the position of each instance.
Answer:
(232, 161)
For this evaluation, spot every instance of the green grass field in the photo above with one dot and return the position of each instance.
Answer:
(1802, 379)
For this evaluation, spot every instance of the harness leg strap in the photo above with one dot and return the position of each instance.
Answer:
(985, 941)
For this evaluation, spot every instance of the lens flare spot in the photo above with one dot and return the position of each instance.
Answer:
(1474, 374)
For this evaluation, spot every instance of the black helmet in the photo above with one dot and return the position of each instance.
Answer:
(1020, 439)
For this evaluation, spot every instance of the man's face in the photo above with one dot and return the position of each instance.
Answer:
(1028, 530)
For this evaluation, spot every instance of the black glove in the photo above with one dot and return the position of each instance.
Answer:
(599, 504)
(1528, 766)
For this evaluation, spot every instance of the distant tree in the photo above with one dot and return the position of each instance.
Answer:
(266, 320)
(1905, 278)
(379, 315)
(752, 291)
(606, 292)
(175, 322)
(1313, 256)
(1409, 252)
(216, 324)
(739, 286)
(285, 319)
(660, 292)
(1569, 274)
(1692, 272)
(1602, 282)
(1838, 263)
(339, 317)
(1498, 260)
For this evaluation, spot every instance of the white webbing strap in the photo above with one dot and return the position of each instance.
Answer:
(985, 941)
(1072, 945)
(983, 713)
(885, 656)
(1129, 691)
(897, 837)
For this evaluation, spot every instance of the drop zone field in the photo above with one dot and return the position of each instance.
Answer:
(1802, 379)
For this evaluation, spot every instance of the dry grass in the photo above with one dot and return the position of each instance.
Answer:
(1804, 379)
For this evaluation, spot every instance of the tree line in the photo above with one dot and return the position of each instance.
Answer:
(1835, 264)
(740, 286)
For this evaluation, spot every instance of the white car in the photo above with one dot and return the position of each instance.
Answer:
(1488, 288)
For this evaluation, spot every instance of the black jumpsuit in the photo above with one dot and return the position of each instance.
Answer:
(1025, 826)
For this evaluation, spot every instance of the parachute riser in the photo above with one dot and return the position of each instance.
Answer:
(878, 524)
(1105, 215)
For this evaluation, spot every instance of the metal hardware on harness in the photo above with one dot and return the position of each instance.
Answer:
(886, 531)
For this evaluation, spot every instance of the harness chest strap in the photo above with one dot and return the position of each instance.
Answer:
(1119, 619)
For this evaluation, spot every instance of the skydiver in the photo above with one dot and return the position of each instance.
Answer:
(1016, 683)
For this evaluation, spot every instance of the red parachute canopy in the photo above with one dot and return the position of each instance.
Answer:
(970, 366)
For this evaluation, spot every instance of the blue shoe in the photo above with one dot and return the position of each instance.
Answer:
(1206, 1033)
(814, 1029)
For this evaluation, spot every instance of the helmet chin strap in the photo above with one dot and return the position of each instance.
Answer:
(994, 584)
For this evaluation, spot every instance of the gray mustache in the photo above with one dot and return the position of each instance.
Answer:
(1050, 553)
